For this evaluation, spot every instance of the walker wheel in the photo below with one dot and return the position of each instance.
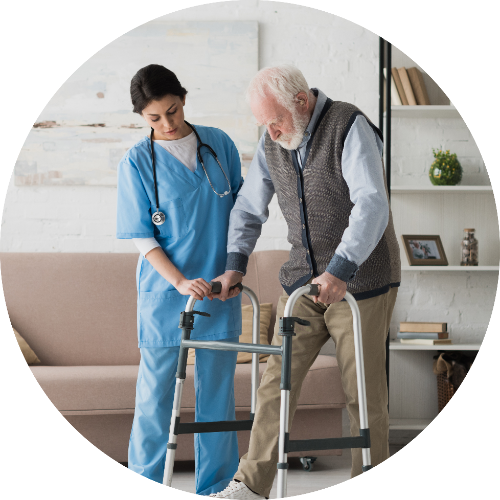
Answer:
(307, 463)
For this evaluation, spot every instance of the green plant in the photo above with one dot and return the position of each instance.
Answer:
(446, 169)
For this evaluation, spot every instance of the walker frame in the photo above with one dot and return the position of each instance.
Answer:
(287, 325)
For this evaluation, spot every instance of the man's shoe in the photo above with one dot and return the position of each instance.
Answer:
(236, 489)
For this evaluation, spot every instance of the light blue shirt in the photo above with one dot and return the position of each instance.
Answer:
(363, 172)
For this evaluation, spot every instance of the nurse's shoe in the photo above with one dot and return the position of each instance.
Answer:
(236, 489)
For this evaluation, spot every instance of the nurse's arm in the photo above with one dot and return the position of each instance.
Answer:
(197, 288)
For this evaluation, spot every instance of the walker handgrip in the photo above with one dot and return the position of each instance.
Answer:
(217, 286)
(314, 289)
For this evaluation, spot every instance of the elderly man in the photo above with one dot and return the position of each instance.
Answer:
(323, 159)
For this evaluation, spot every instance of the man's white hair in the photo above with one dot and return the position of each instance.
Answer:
(283, 82)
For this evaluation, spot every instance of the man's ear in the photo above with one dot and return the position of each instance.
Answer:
(301, 98)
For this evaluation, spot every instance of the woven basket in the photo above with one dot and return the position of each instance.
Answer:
(445, 390)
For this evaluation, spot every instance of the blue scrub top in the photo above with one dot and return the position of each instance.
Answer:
(193, 236)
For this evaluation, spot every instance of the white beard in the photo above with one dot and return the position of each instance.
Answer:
(293, 140)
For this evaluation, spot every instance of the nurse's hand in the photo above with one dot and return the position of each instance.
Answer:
(197, 288)
(228, 279)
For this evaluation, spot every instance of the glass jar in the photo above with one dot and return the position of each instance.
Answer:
(469, 249)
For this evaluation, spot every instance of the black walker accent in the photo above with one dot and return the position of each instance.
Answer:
(286, 330)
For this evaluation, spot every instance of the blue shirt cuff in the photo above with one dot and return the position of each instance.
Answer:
(237, 262)
(342, 268)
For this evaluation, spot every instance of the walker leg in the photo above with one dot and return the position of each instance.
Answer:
(360, 375)
(282, 464)
(180, 377)
(172, 437)
(367, 460)
(286, 368)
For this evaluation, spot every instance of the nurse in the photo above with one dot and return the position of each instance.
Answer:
(191, 201)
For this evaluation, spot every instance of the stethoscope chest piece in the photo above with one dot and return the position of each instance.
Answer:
(158, 218)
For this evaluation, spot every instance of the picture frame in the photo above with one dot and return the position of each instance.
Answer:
(424, 250)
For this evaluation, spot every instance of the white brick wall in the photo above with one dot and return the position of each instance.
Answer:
(341, 58)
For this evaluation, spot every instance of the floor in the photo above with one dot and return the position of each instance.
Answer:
(327, 471)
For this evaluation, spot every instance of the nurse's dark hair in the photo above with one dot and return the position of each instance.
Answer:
(153, 83)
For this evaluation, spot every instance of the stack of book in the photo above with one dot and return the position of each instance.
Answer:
(421, 332)
(407, 87)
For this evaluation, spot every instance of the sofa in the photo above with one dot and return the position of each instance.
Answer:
(77, 311)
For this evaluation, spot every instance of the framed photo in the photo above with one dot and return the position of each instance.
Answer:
(424, 250)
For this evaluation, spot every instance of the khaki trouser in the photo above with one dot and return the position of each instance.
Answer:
(258, 467)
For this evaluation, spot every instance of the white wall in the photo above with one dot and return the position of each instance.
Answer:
(339, 57)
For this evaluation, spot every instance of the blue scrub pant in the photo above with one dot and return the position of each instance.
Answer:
(216, 454)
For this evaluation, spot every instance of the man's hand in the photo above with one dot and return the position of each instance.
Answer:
(228, 279)
(332, 289)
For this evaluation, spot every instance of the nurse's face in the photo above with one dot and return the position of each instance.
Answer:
(166, 116)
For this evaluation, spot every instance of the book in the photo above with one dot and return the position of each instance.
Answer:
(399, 86)
(422, 335)
(418, 86)
(395, 99)
(426, 341)
(405, 81)
(422, 326)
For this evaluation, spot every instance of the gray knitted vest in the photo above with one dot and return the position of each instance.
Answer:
(316, 205)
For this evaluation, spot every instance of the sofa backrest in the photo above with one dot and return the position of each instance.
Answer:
(262, 278)
(80, 308)
(74, 308)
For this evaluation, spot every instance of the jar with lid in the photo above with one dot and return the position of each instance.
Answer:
(469, 249)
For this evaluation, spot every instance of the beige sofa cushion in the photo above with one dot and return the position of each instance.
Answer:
(246, 334)
(263, 278)
(112, 388)
(28, 353)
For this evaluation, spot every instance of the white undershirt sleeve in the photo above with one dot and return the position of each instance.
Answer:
(145, 245)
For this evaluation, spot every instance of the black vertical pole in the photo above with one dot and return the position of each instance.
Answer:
(388, 65)
(388, 117)
(381, 84)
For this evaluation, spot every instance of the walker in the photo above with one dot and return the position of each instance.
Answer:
(287, 325)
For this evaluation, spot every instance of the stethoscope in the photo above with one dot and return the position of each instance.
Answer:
(159, 217)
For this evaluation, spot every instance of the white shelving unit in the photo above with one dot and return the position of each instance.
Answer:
(398, 346)
(449, 268)
(415, 356)
(412, 383)
(433, 111)
(409, 424)
(440, 189)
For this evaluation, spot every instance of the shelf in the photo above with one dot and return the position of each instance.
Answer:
(395, 345)
(440, 189)
(408, 424)
(449, 268)
(433, 111)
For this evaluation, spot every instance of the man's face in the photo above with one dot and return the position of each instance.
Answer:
(284, 127)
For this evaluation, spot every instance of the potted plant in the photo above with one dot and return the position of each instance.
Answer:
(446, 169)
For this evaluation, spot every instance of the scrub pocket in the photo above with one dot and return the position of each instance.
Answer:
(175, 225)
(222, 319)
(159, 314)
